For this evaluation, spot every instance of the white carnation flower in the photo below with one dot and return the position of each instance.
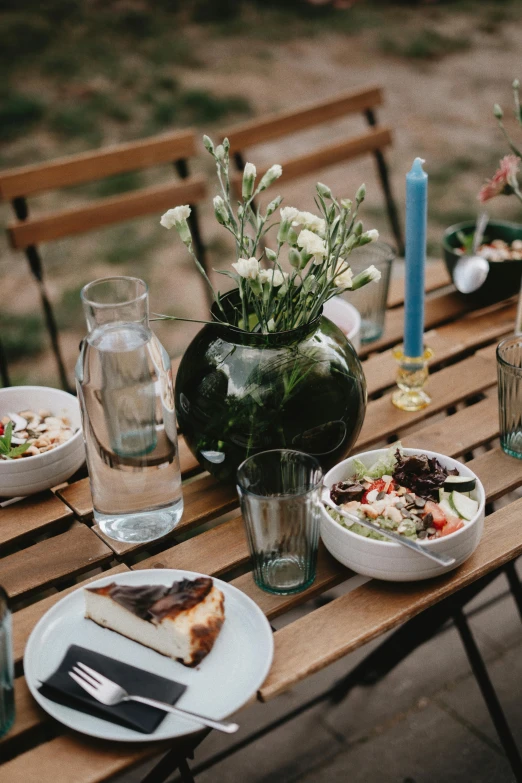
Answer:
(220, 210)
(273, 276)
(312, 244)
(363, 278)
(344, 276)
(249, 176)
(373, 273)
(247, 268)
(273, 173)
(288, 213)
(310, 221)
(176, 215)
(306, 219)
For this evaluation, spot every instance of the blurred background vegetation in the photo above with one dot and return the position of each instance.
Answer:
(78, 74)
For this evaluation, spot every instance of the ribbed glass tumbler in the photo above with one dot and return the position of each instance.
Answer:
(370, 300)
(509, 366)
(279, 492)
(7, 705)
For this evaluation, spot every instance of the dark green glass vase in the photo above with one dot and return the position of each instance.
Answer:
(238, 393)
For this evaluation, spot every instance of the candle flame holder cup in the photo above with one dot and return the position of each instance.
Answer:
(411, 380)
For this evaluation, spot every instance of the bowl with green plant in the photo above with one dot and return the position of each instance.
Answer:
(502, 248)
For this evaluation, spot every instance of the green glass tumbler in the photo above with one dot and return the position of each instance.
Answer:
(7, 707)
(279, 492)
(509, 368)
(371, 300)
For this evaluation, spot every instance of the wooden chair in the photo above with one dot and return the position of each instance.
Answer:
(374, 141)
(28, 233)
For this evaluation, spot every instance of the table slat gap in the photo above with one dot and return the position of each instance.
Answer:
(32, 516)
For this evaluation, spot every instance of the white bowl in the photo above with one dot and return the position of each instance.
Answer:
(346, 317)
(33, 474)
(385, 559)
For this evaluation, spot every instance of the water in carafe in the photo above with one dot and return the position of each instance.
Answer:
(126, 391)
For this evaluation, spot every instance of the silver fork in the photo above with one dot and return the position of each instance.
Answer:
(110, 693)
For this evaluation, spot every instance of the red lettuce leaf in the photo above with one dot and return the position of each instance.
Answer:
(422, 474)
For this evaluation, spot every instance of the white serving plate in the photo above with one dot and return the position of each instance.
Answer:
(385, 559)
(222, 683)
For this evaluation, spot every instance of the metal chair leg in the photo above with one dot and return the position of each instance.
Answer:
(170, 763)
(35, 264)
(185, 773)
(382, 169)
(406, 640)
(4, 370)
(489, 694)
(514, 585)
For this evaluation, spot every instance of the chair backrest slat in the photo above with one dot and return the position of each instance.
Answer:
(274, 126)
(327, 156)
(97, 164)
(105, 212)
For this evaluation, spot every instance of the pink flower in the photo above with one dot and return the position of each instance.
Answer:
(504, 178)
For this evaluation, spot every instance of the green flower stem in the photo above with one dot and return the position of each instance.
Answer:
(288, 306)
(163, 317)
(207, 278)
(508, 138)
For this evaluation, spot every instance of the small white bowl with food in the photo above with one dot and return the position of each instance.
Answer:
(41, 442)
(422, 495)
(346, 317)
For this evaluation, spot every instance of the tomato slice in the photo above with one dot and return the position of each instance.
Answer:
(453, 525)
(439, 517)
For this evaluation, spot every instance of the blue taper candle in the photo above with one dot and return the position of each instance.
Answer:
(416, 218)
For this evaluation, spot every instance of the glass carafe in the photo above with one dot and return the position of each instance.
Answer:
(125, 387)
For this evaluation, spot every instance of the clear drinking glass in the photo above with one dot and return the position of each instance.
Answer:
(7, 706)
(279, 492)
(371, 299)
(125, 387)
(509, 367)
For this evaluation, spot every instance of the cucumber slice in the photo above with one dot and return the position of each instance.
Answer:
(459, 483)
(447, 507)
(465, 507)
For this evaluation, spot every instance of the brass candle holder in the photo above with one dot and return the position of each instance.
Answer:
(411, 380)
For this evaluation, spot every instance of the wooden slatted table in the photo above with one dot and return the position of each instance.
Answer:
(49, 544)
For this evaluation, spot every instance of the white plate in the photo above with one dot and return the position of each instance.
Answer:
(225, 680)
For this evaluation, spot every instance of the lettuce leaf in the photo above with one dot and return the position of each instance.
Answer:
(384, 466)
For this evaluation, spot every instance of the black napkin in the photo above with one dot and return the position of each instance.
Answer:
(60, 687)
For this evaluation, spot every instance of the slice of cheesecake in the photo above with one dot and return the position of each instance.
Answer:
(182, 621)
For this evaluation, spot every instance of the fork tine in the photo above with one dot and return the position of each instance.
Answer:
(85, 685)
(97, 676)
(87, 677)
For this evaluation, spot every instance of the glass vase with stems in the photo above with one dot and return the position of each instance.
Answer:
(269, 371)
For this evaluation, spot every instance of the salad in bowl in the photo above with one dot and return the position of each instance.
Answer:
(421, 495)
